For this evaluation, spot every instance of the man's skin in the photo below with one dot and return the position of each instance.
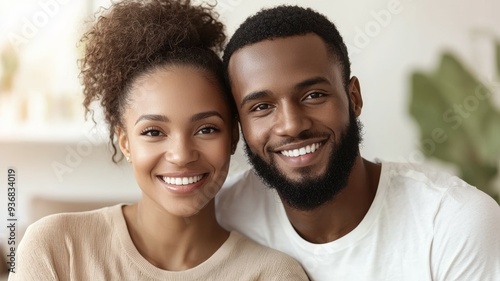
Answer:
(287, 86)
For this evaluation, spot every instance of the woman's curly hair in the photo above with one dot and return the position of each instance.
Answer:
(133, 37)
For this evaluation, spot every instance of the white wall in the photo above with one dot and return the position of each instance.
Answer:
(411, 39)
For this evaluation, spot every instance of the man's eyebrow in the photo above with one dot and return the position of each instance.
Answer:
(310, 82)
(153, 117)
(253, 96)
(206, 114)
(299, 86)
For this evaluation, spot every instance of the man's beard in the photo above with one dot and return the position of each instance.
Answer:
(310, 192)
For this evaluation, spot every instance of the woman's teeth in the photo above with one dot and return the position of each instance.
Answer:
(182, 180)
(301, 151)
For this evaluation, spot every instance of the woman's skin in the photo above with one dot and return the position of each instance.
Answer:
(178, 135)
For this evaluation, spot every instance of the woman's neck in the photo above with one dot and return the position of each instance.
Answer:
(170, 242)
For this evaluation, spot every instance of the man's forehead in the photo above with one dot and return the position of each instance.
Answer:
(284, 46)
(292, 58)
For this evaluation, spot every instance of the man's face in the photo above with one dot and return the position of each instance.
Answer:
(299, 124)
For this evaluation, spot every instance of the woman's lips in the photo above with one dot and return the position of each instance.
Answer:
(183, 185)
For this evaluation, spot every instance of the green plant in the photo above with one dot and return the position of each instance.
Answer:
(458, 120)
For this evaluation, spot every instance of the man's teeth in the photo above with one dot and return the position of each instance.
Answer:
(182, 180)
(301, 151)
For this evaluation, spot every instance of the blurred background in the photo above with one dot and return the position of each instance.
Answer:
(429, 73)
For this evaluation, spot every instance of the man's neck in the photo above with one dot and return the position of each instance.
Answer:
(341, 215)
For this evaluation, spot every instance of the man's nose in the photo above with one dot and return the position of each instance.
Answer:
(291, 121)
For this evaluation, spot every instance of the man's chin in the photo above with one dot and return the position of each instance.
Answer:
(302, 190)
(300, 175)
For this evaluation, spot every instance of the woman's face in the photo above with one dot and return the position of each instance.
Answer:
(178, 137)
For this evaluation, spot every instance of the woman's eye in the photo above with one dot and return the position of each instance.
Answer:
(207, 130)
(151, 133)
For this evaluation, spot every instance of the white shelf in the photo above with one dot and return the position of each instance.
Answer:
(62, 132)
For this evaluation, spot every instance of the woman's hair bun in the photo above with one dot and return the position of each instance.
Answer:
(135, 35)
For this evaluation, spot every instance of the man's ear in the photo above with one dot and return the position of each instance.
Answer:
(355, 95)
(123, 142)
(235, 136)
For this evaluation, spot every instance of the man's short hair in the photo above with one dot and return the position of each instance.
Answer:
(285, 21)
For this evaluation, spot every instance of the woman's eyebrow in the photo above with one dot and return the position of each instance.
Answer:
(164, 118)
(206, 114)
(153, 117)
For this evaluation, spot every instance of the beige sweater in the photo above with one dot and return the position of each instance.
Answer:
(96, 245)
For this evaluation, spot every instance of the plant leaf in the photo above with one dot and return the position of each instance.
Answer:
(497, 48)
(470, 108)
(457, 120)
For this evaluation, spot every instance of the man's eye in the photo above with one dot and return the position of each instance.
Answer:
(315, 95)
(262, 106)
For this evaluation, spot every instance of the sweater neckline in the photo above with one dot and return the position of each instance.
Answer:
(152, 271)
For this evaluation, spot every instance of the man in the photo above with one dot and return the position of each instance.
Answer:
(341, 216)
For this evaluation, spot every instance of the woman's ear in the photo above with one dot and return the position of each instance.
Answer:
(235, 136)
(123, 143)
(355, 95)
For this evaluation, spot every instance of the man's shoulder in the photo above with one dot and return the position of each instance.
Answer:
(243, 190)
(418, 178)
(247, 205)
(433, 195)
(447, 200)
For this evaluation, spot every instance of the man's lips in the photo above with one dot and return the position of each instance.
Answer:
(301, 154)
(301, 150)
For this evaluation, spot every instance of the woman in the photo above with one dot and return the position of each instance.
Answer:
(152, 66)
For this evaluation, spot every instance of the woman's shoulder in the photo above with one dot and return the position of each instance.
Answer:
(254, 249)
(268, 260)
(63, 224)
(53, 243)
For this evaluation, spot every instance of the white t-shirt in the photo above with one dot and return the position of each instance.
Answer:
(422, 225)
